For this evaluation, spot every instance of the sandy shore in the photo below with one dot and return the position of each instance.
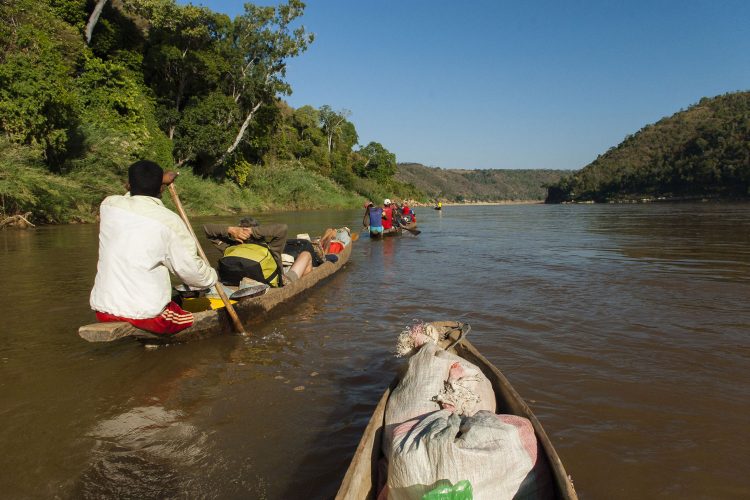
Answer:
(472, 203)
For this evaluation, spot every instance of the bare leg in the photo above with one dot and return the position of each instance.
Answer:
(302, 264)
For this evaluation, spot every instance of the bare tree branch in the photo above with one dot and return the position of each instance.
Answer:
(93, 19)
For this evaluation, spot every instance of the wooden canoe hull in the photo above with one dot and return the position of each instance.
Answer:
(216, 321)
(360, 481)
(396, 231)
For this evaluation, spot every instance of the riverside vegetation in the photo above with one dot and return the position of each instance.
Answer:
(700, 152)
(88, 86)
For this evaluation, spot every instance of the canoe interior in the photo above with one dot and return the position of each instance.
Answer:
(360, 481)
(216, 321)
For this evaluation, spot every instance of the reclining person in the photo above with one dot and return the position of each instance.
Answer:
(249, 235)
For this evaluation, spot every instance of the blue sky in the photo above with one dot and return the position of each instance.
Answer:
(496, 84)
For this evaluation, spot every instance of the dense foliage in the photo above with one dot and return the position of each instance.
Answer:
(88, 86)
(478, 185)
(703, 151)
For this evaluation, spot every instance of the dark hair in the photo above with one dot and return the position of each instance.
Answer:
(248, 222)
(145, 178)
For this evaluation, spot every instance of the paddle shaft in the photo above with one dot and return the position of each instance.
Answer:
(230, 309)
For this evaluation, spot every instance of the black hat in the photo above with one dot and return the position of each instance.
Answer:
(248, 222)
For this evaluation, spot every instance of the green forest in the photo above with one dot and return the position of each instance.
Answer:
(700, 152)
(89, 86)
(484, 185)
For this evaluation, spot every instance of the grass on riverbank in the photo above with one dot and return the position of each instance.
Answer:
(282, 187)
(26, 185)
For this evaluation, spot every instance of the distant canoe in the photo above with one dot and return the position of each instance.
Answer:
(361, 481)
(387, 234)
(438, 208)
(216, 321)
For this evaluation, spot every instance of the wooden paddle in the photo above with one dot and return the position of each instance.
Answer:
(230, 309)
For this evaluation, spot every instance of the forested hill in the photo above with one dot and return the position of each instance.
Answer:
(478, 185)
(89, 86)
(703, 151)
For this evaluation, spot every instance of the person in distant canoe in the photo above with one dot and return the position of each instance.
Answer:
(373, 219)
(272, 236)
(140, 243)
(408, 213)
(402, 215)
(406, 210)
(387, 216)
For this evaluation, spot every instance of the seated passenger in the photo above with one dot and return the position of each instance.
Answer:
(140, 242)
(388, 216)
(251, 241)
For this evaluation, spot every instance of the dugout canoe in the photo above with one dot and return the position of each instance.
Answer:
(361, 482)
(216, 321)
(389, 234)
(398, 231)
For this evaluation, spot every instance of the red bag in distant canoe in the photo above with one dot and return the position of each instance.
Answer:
(335, 247)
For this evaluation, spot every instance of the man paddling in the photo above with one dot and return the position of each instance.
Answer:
(140, 243)
(373, 219)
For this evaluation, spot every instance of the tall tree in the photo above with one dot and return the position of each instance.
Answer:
(379, 164)
(262, 41)
(181, 61)
(331, 122)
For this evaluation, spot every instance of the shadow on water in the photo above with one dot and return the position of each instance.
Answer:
(325, 461)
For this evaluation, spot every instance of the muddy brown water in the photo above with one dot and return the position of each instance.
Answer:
(626, 328)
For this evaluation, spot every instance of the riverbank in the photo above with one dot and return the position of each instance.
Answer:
(29, 190)
(476, 203)
(662, 199)
(198, 203)
(490, 203)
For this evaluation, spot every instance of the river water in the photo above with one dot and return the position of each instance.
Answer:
(626, 328)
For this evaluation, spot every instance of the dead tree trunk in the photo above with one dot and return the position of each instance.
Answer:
(93, 19)
(240, 134)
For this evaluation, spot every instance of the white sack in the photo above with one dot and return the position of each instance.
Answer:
(497, 454)
(425, 379)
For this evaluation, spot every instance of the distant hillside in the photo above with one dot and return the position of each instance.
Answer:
(478, 185)
(703, 151)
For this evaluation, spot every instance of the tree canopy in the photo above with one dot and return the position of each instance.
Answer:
(88, 86)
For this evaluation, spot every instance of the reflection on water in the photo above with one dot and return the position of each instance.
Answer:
(625, 327)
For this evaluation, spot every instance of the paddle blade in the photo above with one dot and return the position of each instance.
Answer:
(355, 236)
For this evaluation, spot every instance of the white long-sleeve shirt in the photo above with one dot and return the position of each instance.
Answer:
(140, 242)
